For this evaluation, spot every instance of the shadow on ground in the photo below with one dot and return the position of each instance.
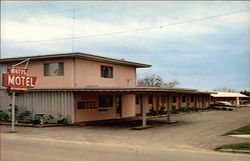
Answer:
(125, 124)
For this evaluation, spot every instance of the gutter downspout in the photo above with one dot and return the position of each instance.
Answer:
(74, 72)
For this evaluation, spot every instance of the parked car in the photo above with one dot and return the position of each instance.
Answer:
(222, 105)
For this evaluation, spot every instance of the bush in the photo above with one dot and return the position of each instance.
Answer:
(186, 110)
(173, 111)
(25, 117)
(36, 122)
(163, 111)
(28, 117)
(49, 119)
(63, 120)
(153, 112)
(4, 116)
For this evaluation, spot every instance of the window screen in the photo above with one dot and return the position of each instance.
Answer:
(53, 69)
(105, 101)
(106, 71)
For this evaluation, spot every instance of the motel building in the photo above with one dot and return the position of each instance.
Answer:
(84, 87)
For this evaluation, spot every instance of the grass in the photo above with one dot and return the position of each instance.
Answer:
(240, 131)
(238, 146)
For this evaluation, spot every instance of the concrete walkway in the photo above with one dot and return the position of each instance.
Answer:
(242, 136)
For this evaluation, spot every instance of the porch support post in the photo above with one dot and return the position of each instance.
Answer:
(168, 114)
(237, 101)
(144, 108)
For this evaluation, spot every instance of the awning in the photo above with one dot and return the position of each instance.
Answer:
(228, 94)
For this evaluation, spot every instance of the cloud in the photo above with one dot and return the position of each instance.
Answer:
(203, 54)
(56, 27)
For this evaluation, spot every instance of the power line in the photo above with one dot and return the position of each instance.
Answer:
(132, 30)
(36, 11)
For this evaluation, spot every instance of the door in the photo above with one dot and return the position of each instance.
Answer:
(119, 106)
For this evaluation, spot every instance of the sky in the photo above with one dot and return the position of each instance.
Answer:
(203, 45)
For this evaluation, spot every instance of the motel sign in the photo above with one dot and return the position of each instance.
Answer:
(17, 79)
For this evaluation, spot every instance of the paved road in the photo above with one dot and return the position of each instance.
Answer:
(18, 149)
(192, 139)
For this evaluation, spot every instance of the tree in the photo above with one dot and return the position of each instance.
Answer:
(247, 93)
(156, 81)
(225, 89)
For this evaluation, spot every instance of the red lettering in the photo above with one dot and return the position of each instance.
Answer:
(17, 80)
(14, 80)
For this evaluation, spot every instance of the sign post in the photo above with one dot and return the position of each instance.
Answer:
(17, 80)
(13, 112)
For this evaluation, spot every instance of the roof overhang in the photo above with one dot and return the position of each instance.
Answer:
(78, 55)
(127, 90)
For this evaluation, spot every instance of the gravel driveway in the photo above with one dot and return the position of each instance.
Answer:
(201, 130)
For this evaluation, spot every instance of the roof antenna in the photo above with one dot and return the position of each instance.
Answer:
(73, 29)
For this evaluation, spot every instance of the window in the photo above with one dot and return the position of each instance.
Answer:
(106, 71)
(192, 99)
(105, 101)
(53, 69)
(86, 105)
(137, 100)
(174, 99)
(183, 99)
(150, 100)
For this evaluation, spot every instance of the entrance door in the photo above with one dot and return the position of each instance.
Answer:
(119, 106)
(157, 103)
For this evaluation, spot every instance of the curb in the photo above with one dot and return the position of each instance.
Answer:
(31, 125)
(234, 151)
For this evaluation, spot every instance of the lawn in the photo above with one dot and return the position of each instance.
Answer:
(238, 146)
(241, 131)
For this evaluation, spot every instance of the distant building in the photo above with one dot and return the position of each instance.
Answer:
(232, 97)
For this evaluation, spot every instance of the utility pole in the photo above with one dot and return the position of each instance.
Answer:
(73, 29)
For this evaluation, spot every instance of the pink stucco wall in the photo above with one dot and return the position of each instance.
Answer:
(89, 74)
(36, 68)
(82, 73)
(128, 105)
(82, 115)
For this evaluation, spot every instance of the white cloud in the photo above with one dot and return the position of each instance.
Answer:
(43, 28)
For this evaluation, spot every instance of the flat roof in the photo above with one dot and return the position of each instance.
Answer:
(125, 89)
(78, 55)
(227, 94)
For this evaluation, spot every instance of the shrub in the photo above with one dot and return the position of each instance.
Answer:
(36, 122)
(186, 110)
(4, 116)
(174, 110)
(162, 111)
(49, 119)
(25, 117)
(63, 120)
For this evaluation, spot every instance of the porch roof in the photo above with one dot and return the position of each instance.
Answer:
(127, 89)
(228, 94)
